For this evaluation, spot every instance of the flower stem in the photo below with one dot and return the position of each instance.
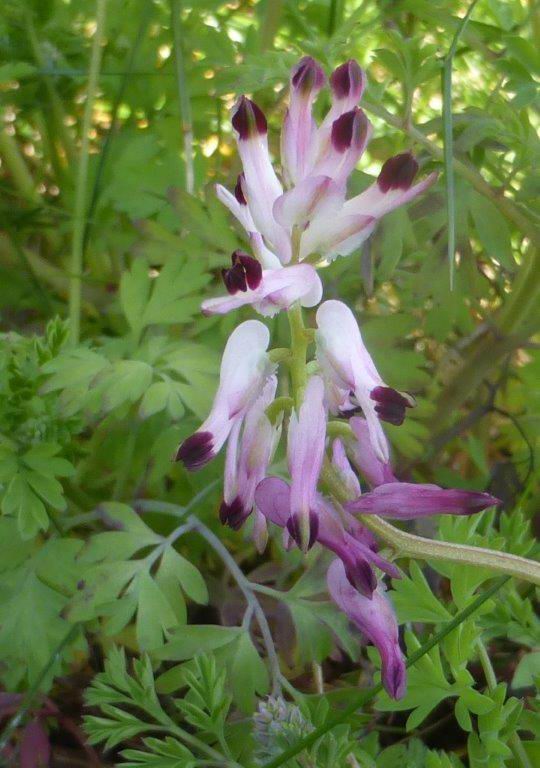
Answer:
(79, 214)
(299, 345)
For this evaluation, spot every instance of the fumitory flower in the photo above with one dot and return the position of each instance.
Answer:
(245, 367)
(348, 368)
(375, 618)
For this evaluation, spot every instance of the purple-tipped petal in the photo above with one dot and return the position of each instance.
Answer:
(348, 130)
(307, 76)
(196, 451)
(375, 618)
(407, 501)
(398, 172)
(349, 136)
(238, 190)
(303, 535)
(278, 289)
(246, 272)
(345, 360)
(348, 82)
(259, 185)
(361, 575)
(245, 367)
(391, 404)
(248, 119)
(298, 137)
(233, 514)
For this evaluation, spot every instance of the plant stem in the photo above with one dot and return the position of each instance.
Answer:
(448, 141)
(21, 176)
(183, 93)
(32, 692)
(491, 680)
(419, 548)
(368, 696)
(244, 584)
(245, 587)
(79, 216)
(299, 345)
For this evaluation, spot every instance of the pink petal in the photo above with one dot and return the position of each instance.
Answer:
(313, 196)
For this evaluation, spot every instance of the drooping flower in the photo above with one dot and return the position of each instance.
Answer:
(340, 536)
(375, 618)
(407, 501)
(305, 452)
(245, 367)
(347, 365)
(249, 451)
(267, 290)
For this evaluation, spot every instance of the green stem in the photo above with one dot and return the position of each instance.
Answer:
(16, 166)
(491, 680)
(57, 109)
(79, 217)
(32, 692)
(366, 697)
(417, 547)
(448, 141)
(299, 345)
(183, 92)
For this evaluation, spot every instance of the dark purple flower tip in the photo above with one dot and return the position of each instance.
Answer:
(248, 119)
(398, 172)
(307, 76)
(233, 514)
(391, 404)
(361, 576)
(476, 501)
(349, 129)
(348, 80)
(246, 272)
(238, 191)
(295, 531)
(395, 677)
(196, 451)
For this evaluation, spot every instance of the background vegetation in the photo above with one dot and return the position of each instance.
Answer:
(110, 236)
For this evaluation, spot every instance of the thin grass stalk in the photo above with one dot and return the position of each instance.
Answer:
(79, 214)
(448, 141)
(183, 92)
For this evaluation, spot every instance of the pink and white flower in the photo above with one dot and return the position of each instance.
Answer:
(267, 290)
(250, 449)
(245, 367)
(375, 618)
(347, 366)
